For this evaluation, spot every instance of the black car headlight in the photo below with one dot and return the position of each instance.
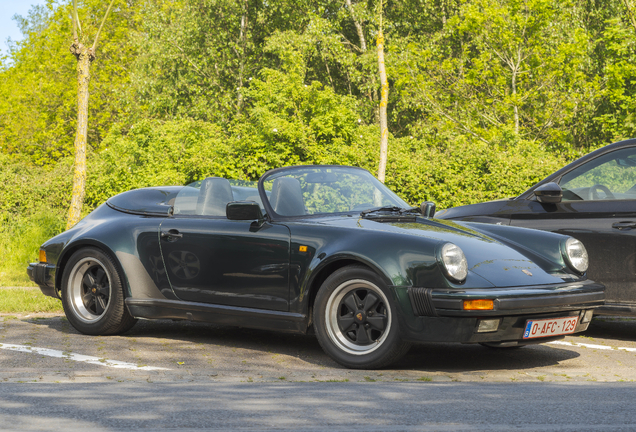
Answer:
(576, 255)
(454, 262)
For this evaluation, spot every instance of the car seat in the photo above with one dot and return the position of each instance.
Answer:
(287, 197)
(214, 195)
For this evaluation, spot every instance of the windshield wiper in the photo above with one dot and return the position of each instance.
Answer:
(393, 209)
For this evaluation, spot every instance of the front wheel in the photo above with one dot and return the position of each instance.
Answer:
(93, 295)
(355, 321)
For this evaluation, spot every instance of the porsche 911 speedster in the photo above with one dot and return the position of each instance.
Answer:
(316, 249)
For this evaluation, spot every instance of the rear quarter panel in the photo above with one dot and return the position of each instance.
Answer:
(131, 240)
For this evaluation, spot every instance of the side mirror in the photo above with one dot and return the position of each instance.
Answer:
(549, 193)
(427, 208)
(243, 210)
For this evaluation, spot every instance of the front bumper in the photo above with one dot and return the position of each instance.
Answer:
(431, 315)
(44, 275)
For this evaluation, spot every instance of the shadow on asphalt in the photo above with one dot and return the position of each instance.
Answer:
(613, 328)
(431, 357)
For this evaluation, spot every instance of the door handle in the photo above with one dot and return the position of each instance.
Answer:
(624, 225)
(171, 235)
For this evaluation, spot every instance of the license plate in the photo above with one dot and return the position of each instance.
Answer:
(550, 327)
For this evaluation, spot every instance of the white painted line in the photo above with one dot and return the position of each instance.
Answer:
(78, 357)
(601, 347)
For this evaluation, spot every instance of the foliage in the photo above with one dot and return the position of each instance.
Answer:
(33, 202)
(486, 97)
(154, 153)
(16, 300)
(619, 121)
(38, 85)
(197, 56)
(467, 172)
(504, 65)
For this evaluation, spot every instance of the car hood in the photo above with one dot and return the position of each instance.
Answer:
(491, 259)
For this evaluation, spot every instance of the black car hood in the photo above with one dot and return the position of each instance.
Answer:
(492, 260)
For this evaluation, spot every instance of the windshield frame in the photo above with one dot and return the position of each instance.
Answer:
(272, 215)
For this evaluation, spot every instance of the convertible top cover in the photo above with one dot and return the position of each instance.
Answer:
(154, 201)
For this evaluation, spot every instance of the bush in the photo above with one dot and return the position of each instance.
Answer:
(154, 153)
(33, 206)
(465, 172)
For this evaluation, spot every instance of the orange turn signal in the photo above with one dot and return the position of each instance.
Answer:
(478, 305)
(42, 256)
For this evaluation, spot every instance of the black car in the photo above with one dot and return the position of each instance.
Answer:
(592, 199)
(324, 249)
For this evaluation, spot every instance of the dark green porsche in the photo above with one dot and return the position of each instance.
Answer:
(322, 249)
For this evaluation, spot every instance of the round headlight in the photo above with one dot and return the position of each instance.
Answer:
(576, 255)
(454, 262)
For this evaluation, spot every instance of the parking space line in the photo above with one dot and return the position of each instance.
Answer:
(78, 357)
(584, 345)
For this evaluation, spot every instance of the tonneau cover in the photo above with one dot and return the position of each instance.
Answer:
(152, 201)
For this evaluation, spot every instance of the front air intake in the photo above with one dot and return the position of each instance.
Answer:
(422, 301)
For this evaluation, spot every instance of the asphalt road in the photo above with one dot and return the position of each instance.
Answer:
(319, 406)
(49, 349)
(166, 375)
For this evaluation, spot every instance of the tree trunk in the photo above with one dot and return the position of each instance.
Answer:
(84, 57)
(242, 41)
(384, 100)
(358, 24)
(515, 107)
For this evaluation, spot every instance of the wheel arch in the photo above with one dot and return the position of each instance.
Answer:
(327, 268)
(68, 252)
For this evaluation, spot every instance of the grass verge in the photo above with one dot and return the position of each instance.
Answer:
(27, 300)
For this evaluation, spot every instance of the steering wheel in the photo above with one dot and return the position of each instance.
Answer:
(599, 187)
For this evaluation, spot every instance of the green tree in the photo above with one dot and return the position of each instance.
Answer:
(38, 102)
(197, 56)
(85, 56)
(518, 66)
(616, 117)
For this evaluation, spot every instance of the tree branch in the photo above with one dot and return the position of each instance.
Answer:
(75, 20)
(94, 47)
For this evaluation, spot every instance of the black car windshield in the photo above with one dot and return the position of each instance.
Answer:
(312, 190)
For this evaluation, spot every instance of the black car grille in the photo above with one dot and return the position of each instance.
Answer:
(422, 301)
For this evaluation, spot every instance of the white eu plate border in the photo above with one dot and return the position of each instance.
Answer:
(555, 326)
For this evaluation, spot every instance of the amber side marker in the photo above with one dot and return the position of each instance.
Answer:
(303, 249)
(42, 256)
(478, 305)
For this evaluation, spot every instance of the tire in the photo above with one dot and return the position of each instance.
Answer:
(356, 322)
(93, 295)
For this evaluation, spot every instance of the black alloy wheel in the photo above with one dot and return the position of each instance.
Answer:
(92, 294)
(355, 321)
(360, 315)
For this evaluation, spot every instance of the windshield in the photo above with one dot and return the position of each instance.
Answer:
(315, 190)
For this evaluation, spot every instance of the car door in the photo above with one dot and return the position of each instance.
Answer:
(598, 208)
(211, 259)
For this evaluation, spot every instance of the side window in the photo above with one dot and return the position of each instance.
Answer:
(609, 177)
(209, 197)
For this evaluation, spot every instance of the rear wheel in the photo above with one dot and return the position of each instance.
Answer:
(355, 321)
(93, 295)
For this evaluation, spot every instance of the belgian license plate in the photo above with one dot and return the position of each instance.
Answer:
(550, 327)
